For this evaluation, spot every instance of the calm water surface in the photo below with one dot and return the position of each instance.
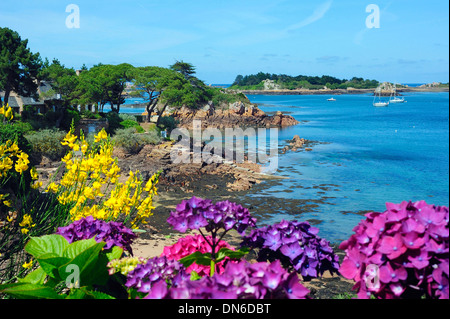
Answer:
(365, 157)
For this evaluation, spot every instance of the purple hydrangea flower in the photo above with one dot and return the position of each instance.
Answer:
(196, 213)
(112, 233)
(241, 280)
(297, 245)
(146, 277)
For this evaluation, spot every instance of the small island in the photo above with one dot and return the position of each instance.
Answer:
(282, 84)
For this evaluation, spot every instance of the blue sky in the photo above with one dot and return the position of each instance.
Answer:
(226, 38)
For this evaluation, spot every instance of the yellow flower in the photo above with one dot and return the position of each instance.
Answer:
(53, 188)
(22, 163)
(11, 216)
(27, 221)
(34, 174)
(7, 203)
(28, 265)
(7, 112)
(102, 135)
(36, 185)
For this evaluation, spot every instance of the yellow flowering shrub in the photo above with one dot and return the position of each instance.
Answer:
(91, 187)
(11, 156)
(6, 112)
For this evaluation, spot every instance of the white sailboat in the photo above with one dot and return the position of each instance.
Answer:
(394, 97)
(379, 102)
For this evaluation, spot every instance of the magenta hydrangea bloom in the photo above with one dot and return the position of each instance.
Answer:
(188, 245)
(407, 246)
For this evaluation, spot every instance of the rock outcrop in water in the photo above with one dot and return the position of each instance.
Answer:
(237, 114)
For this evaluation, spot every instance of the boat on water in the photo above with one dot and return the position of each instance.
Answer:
(394, 97)
(377, 99)
(331, 99)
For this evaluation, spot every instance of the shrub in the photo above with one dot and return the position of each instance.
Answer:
(126, 117)
(47, 143)
(169, 123)
(13, 132)
(133, 142)
(131, 123)
(113, 122)
(400, 253)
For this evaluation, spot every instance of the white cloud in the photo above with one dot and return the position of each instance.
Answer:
(318, 14)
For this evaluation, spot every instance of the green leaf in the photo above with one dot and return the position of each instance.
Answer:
(198, 258)
(35, 277)
(48, 244)
(50, 264)
(85, 254)
(29, 291)
(195, 276)
(84, 293)
(79, 247)
(233, 254)
(114, 253)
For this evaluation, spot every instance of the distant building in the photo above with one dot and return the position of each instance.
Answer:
(17, 102)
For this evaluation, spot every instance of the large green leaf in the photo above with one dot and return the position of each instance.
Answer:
(35, 277)
(48, 244)
(84, 255)
(198, 258)
(29, 291)
(79, 247)
(50, 263)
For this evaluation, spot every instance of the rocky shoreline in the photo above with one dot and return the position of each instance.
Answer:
(237, 114)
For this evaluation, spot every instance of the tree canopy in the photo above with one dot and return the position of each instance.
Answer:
(19, 67)
(254, 81)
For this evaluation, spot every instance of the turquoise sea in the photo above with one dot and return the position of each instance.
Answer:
(365, 156)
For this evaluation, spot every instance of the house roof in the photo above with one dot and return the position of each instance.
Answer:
(12, 101)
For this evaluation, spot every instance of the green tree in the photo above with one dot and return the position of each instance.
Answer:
(238, 80)
(186, 69)
(19, 67)
(149, 83)
(104, 83)
(62, 80)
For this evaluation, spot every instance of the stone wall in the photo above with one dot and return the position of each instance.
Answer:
(91, 125)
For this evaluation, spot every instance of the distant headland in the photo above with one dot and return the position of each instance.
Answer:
(273, 84)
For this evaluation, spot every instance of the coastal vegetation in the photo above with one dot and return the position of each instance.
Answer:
(71, 238)
(287, 82)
